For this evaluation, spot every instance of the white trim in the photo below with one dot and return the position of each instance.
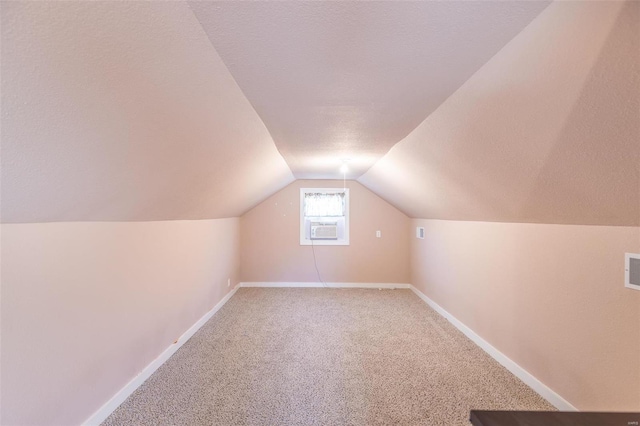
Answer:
(319, 284)
(110, 406)
(535, 384)
(103, 412)
(324, 243)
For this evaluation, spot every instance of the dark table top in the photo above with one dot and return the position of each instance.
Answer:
(552, 418)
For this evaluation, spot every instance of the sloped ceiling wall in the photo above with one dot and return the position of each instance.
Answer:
(349, 79)
(547, 131)
(124, 111)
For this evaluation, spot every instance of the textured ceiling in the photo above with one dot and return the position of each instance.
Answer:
(336, 80)
(505, 111)
(124, 111)
(547, 131)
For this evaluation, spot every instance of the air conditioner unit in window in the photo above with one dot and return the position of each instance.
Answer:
(324, 230)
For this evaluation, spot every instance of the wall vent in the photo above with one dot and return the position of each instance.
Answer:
(632, 270)
(420, 232)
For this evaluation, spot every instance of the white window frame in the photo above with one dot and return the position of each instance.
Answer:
(304, 241)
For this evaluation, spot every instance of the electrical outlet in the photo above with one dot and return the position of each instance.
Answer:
(228, 282)
(378, 234)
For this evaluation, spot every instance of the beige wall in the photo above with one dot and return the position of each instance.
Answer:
(271, 250)
(550, 297)
(86, 306)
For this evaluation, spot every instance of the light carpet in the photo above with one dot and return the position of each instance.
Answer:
(304, 356)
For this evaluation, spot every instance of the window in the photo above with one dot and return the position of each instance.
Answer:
(324, 216)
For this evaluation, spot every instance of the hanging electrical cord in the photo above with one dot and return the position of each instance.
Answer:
(344, 181)
(343, 169)
(315, 263)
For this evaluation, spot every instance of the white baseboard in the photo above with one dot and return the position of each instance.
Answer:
(319, 284)
(535, 384)
(544, 391)
(110, 406)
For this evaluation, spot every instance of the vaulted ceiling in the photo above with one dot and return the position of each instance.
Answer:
(467, 110)
(348, 80)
